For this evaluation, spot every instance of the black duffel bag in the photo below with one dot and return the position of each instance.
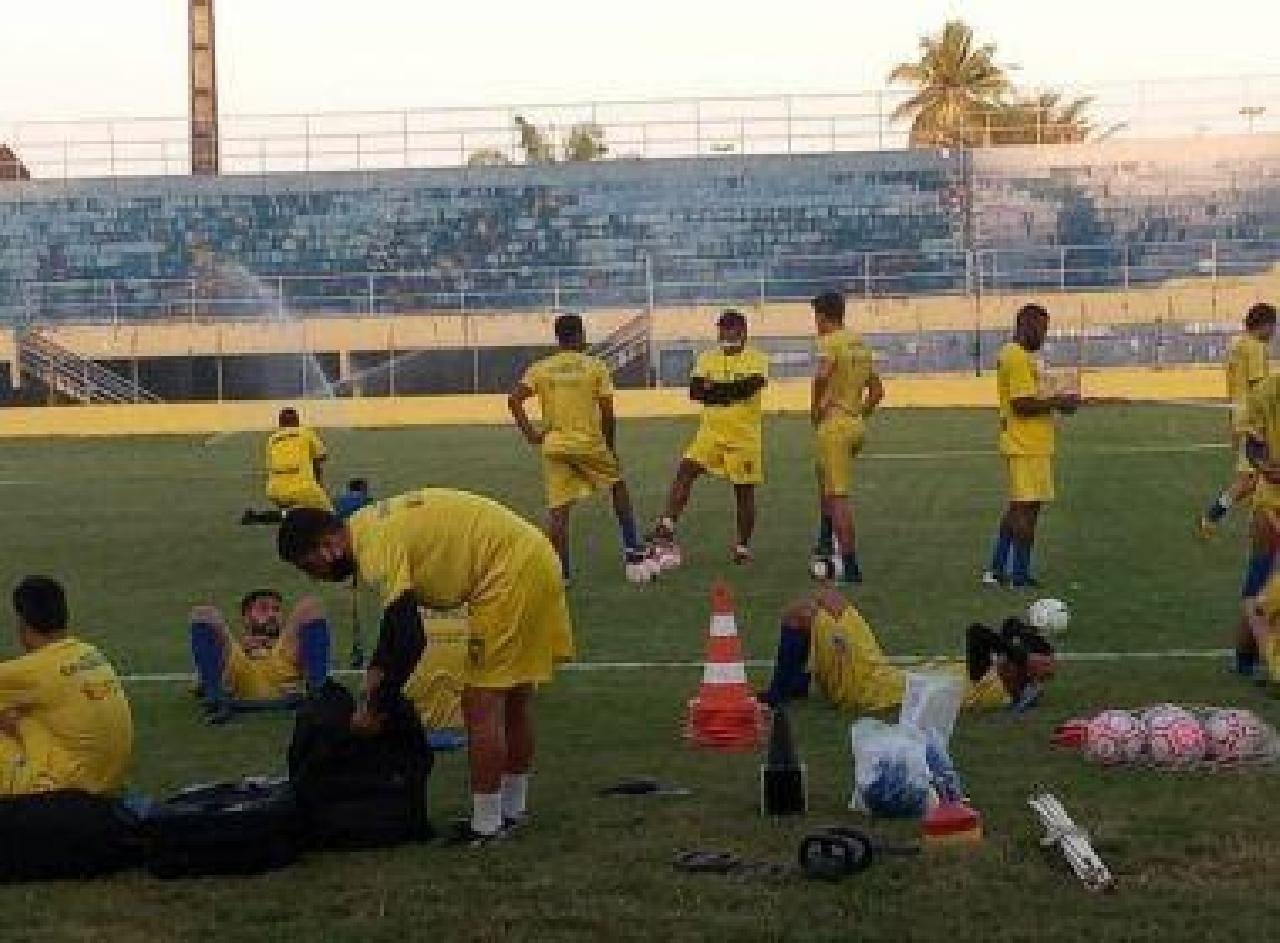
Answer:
(359, 790)
(66, 834)
(243, 827)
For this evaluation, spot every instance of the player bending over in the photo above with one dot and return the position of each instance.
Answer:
(1247, 366)
(846, 391)
(443, 549)
(825, 639)
(1027, 406)
(295, 460)
(577, 437)
(729, 383)
(65, 722)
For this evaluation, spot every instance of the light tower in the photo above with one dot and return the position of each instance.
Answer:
(203, 88)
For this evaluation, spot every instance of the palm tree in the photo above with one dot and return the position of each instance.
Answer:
(585, 141)
(956, 83)
(1039, 119)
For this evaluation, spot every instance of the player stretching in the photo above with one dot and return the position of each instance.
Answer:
(295, 456)
(846, 391)
(1026, 441)
(728, 382)
(442, 550)
(577, 439)
(1246, 368)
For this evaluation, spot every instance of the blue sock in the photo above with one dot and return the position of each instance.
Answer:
(826, 533)
(1021, 570)
(630, 539)
(1219, 508)
(849, 562)
(1000, 555)
(313, 652)
(1246, 662)
(206, 652)
(790, 679)
(1256, 573)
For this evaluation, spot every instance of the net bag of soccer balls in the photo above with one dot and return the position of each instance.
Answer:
(1169, 736)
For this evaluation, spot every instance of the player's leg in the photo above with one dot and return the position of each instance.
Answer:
(744, 500)
(306, 641)
(837, 509)
(687, 472)
(518, 716)
(791, 676)
(211, 644)
(997, 571)
(558, 534)
(1258, 569)
(1026, 516)
(625, 516)
(484, 715)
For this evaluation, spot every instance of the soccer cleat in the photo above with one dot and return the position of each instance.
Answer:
(463, 835)
(1026, 582)
(989, 578)
(1205, 529)
(513, 823)
(741, 554)
(218, 713)
(639, 567)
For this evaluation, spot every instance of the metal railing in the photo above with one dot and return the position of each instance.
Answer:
(645, 285)
(677, 127)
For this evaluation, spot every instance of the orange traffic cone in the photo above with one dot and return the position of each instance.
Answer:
(725, 715)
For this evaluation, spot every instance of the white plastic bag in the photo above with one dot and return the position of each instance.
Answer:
(890, 769)
(931, 703)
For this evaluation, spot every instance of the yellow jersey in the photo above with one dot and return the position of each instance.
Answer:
(1246, 367)
(853, 364)
(1019, 374)
(448, 548)
(292, 453)
(75, 724)
(569, 386)
(738, 423)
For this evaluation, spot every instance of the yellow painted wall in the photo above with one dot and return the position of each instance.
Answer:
(941, 390)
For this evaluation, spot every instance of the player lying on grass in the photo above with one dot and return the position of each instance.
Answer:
(443, 549)
(1247, 366)
(825, 639)
(65, 722)
(729, 383)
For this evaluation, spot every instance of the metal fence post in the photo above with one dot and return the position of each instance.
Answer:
(404, 138)
(369, 292)
(790, 103)
(115, 306)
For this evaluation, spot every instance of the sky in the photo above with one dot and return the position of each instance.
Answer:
(64, 59)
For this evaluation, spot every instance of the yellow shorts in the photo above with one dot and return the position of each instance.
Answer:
(435, 687)
(291, 492)
(741, 465)
(1266, 496)
(570, 478)
(269, 676)
(518, 635)
(1030, 478)
(838, 440)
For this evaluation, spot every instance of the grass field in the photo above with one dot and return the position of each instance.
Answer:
(142, 529)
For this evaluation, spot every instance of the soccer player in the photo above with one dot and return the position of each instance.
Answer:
(442, 549)
(272, 660)
(65, 722)
(1027, 407)
(729, 383)
(1247, 366)
(846, 391)
(575, 393)
(825, 639)
(295, 460)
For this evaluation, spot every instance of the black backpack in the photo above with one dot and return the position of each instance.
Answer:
(65, 834)
(243, 827)
(355, 790)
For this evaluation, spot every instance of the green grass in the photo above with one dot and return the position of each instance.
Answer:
(141, 529)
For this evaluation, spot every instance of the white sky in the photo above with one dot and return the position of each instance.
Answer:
(80, 58)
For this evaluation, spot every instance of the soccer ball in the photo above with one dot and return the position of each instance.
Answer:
(1174, 736)
(825, 568)
(1114, 737)
(643, 571)
(1232, 735)
(1049, 615)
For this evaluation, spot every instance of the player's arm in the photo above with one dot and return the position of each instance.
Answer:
(746, 387)
(708, 393)
(401, 640)
(872, 395)
(821, 381)
(318, 457)
(515, 403)
(19, 693)
(608, 421)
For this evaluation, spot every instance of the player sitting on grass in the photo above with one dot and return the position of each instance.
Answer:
(575, 393)
(64, 720)
(272, 660)
(824, 638)
(444, 549)
(728, 382)
(1247, 366)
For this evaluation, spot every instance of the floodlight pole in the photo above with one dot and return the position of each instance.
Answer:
(202, 88)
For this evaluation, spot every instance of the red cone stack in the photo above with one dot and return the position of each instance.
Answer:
(725, 715)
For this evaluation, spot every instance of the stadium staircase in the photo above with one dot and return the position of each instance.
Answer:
(626, 351)
(66, 373)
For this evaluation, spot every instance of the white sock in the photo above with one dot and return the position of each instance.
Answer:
(515, 794)
(486, 812)
(1224, 501)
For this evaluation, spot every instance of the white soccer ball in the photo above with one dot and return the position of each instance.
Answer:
(1174, 736)
(1114, 737)
(1232, 735)
(1049, 615)
(643, 571)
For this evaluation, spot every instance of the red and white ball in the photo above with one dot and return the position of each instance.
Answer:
(667, 555)
(1174, 736)
(1232, 735)
(1114, 737)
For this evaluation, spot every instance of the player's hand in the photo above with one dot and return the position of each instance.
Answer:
(365, 722)
(536, 437)
(816, 415)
